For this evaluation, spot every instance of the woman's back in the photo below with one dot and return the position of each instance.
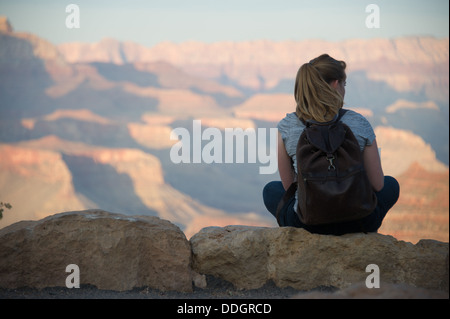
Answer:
(291, 128)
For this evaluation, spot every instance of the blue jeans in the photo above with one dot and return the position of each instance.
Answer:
(387, 197)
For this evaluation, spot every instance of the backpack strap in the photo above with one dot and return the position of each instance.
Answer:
(286, 197)
(341, 114)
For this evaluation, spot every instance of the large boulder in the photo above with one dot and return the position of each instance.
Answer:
(112, 251)
(248, 257)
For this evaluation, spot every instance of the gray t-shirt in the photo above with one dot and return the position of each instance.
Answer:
(291, 128)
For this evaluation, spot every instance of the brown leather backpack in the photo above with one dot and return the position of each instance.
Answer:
(332, 184)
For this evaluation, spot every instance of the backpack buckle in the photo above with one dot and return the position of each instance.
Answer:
(330, 159)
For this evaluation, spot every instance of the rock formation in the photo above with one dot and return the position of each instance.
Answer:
(118, 252)
(5, 26)
(112, 251)
(250, 256)
(262, 63)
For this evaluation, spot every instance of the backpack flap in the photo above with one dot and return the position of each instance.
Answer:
(327, 138)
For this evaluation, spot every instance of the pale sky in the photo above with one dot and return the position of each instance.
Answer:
(152, 21)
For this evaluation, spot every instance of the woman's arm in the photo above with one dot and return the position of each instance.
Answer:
(285, 168)
(372, 164)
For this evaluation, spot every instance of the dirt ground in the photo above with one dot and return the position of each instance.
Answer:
(216, 289)
(221, 289)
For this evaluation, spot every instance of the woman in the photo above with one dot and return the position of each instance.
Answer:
(319, 93)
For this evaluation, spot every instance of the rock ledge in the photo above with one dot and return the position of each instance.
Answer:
(250, 256)
(112, 251)
(120, 252)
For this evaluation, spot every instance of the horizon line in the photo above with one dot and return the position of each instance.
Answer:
(367, 39)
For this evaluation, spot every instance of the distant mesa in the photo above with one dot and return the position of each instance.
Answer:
(5, 26)
(398, 144)
(405, 64)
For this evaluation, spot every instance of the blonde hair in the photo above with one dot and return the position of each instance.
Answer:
(316, 98)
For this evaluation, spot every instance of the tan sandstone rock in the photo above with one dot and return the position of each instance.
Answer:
(112, 251)
(250, 256)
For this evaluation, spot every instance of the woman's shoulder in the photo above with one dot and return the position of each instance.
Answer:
(289, 124)
(359, 125)
(352, 113)
(353, 117)
(289, 119)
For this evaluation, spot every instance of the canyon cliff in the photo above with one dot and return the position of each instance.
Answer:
(88, 126)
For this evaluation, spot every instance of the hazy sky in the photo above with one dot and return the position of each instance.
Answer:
(152, 21)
